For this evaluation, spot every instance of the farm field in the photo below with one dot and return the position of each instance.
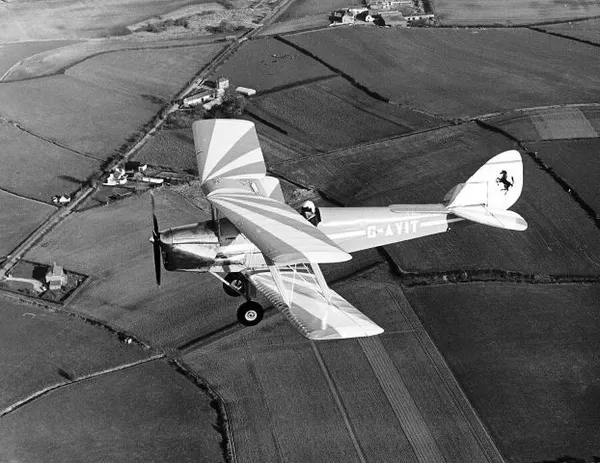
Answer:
(511, 13)
(144, 413)
(18, 218)
(75, 114)
(305, 112)
(583, 30)
(301, 8)
(390, 419)
(266, 64)
(99, 18)
(13, 53)
(576, 162)
(41, 349)
(156, 72)
(111, 244)
(170, 148)
(557, 123)
(527, 358)
(501, 72)
(421, 168)
(37, 169)
(57, 60)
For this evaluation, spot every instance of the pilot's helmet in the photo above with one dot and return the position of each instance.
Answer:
(308, 209)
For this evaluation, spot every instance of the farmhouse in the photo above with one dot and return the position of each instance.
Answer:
(209, 91)
(56, 277)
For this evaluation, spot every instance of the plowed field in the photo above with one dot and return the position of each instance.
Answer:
(551, 123)
(461, 72)
(170, 148)
(527, 358)
(332, 114)
(13, 53)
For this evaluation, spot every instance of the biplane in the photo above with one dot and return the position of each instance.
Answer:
(256, 242)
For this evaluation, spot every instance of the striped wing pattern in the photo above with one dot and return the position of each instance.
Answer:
(281, 234)
(310, 312)
(227, 148)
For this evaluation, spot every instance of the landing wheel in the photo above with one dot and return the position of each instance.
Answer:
(236, 280)
(250, 313)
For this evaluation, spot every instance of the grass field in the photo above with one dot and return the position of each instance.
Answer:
(576, 162)
(527, 358)
(267, 63)
(550, 123)
(37, 169)
(145, 413)
(18, 218)
(170, 148)
(57, 60)
(93, 19)
(302, 8)
(76, 114)
(583, 30)
(422, 168)
(40, 349)
(305, 112)
(157, 72)
(111, 245)
(514, 12)
(461, 72)
(12, 53)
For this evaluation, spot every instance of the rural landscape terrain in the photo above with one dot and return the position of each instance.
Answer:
(491, 348)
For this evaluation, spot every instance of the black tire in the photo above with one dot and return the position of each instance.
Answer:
(237, 280)
(250, 313)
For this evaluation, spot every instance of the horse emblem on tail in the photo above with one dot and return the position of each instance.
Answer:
(503, 180)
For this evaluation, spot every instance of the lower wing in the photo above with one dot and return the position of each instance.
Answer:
(317, 315)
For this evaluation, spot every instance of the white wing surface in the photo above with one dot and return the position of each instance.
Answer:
(233, 173)
(309, 310)
(227, 148)
(280, 233)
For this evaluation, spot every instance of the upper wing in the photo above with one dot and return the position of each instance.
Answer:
(282, 235)
(227, 148)
(233, 174)
(315, 315)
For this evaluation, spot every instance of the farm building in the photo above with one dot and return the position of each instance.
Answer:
(419, 17)
(389, 4)
(246, 91)
(56, 277)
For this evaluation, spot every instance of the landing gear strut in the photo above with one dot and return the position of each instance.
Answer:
(238, 282)
(250, 313)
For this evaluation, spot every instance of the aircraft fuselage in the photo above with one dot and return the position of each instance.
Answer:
(217, 246)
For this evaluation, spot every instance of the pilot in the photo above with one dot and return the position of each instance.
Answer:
(310, 212)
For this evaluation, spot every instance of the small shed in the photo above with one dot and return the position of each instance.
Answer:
(56, 277)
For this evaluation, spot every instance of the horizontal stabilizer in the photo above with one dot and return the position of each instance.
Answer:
(310, 312)
(498, 218)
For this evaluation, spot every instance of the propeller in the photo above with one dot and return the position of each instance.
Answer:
(155, 242)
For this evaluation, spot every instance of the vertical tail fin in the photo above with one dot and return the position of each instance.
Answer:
(496, 185)
(488, 193)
